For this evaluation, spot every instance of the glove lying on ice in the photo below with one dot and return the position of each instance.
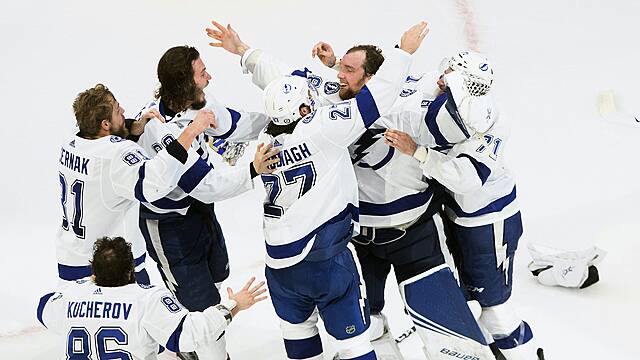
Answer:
(573, 269)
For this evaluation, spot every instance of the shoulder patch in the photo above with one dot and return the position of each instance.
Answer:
(314, 80)
(331, 87)
(82, 281)
(145, 286)
(307, 119)
(116, 139)
(407, 92)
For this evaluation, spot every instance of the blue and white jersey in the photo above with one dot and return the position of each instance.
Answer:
(392, 188)
(126, 322)
(314, 185)
(209, 185)
(473, 170)
(102, 182)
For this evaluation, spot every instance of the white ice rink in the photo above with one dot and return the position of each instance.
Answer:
(577, 173)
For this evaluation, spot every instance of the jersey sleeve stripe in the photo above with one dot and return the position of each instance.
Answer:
(397, 206)
(367, 106)
(173, 343)
(72, 273)
(430, 119)
(138, 191)
(494, 206)
(41, 305)
(192, 177)
(235, 117)
(482, 169)
(169, 204)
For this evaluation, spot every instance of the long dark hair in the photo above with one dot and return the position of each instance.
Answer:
(175, 72)
(112, 262)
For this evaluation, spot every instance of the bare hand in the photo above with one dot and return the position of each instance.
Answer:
(325, 53)
(265, 157)
(412, 38)
(204, 119)
(401, 141)
(137, 127)
(228, 39)
(247, 296)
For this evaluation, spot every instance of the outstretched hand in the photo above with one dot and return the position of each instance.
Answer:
(247, 296)
(412, 38)
(228, 38)
(325, 53)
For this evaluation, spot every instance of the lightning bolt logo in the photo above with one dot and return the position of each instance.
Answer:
(502, 260)
(364, 142)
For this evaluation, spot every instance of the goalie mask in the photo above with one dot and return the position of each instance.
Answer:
(284, 97)
(475, 69)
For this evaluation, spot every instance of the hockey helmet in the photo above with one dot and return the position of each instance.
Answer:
(283, 98)
(476, 69)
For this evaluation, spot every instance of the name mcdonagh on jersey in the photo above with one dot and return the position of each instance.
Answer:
(293, 155)
(74, 162)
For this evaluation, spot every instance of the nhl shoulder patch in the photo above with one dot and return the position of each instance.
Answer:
(331, 87)
(307, 119)
(314, 80)
(116, 139)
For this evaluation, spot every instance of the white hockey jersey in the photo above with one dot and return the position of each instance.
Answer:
(205, 186)
(314, 183)
(102, 182)
(473, 170)
(392, 188)
(126, 322)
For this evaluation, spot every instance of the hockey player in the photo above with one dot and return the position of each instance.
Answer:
(312, 199)
(103, 177)
(395, 202)
(111, 317)
(182, 233)
(484, 214)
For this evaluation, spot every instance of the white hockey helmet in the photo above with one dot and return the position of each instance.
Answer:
(475, 68)
(283, 98)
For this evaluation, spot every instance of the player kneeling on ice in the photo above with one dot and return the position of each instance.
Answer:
(484, 223)
(125, 320)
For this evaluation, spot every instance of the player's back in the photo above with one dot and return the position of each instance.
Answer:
(91, 205)
(313, 187)
(110, 321)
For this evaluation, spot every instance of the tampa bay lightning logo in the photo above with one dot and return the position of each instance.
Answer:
(407, 92)
(307, 119)
(484, 66)
(370, 152)
(286, 88)
(314, 80)
(331, 87)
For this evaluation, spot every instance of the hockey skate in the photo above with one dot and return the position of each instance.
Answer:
(383, 342)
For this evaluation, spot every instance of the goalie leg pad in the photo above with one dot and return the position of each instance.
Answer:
(512, 335)
(443, 319)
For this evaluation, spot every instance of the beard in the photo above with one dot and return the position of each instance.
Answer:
(347, 93)
(121, 132)
(200, 101)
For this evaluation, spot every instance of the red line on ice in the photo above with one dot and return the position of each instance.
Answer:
(465, 10)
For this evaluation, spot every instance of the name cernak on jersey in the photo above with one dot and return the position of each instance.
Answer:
(293, 155)
(98, 310)
(74, 162)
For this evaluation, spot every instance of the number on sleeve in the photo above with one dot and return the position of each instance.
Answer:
(492, 142)
(340, 110)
